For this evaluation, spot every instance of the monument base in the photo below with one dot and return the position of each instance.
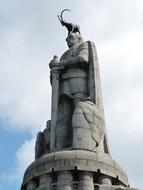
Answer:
(75, 169)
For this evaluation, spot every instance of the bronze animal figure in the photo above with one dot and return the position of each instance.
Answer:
(72, 28)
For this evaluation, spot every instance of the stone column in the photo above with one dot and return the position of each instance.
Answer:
(86, 181)
(65, 179)
(105, 180)
(31, 185)
(45, 182)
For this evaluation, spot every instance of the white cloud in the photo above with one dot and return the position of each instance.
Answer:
(24, 85)
(25, 156)
(121, 69)
(111, 18)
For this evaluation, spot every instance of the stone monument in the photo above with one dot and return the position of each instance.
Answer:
(72, 152)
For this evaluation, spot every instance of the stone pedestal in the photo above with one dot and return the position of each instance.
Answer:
(75, 170)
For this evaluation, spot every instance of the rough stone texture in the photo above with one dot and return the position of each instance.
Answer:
(31, 185)
(72, 152)
(86, 181)
(88, 131)
(45, 182)
(77, 109)
(70, 170)
(64, 181)
(78, 160)
(42, 145)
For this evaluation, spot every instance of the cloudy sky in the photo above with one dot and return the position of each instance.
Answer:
(30, 34)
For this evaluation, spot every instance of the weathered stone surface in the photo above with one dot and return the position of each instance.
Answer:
(65, 155)
(78, 119)
(64, 181)
(77, 110)
(72, 152)
(88, 127)
(105, 180)
(86, 181)
(45, 182)
(78, 160)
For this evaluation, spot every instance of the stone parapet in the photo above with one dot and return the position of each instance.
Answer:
(77, 160)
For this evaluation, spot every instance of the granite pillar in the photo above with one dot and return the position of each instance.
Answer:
(105, 180)
(65, 181)
(31, 185)
(86, 181)
(45, 182)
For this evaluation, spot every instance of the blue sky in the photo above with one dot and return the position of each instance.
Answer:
(30, 34)
(10, 141)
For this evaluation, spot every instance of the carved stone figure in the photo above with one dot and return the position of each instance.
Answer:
(79, 85)
(42, 145)
(72, 28)
(72, 151)
(88, 127)
(39, 147)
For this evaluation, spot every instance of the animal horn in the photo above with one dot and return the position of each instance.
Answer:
(59, 17)
(63, 12)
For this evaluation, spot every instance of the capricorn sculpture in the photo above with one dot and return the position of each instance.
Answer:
(72, 28)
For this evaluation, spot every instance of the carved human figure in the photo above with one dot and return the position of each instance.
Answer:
(42, 144)
(78, 74)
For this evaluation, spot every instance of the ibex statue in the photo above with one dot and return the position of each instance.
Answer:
(72, 28)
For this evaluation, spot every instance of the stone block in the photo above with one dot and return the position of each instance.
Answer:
(58, 165)
(81, 164)
(88, 155)
(64, 155)
(91, 163)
